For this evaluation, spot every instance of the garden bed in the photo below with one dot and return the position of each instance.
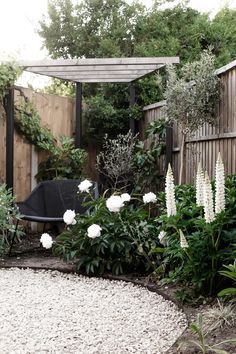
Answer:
(30, 254)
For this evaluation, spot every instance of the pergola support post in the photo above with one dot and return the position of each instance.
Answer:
(78, 116)
(132, 124)
(10, 137)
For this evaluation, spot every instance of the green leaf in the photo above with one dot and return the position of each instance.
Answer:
(157, 250)
(227, 291)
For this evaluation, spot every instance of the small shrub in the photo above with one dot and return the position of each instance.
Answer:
(64, 161)
(200, 342)
(230, 273)
(115, 162)
(126, 163)
(8, 213)
(147, 166)
(219, 316)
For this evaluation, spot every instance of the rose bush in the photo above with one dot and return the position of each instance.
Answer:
(116, 236)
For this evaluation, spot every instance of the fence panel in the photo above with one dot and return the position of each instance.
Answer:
(208, 141)
(58, 113)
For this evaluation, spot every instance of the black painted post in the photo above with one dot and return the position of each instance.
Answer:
(78, 116)
(131, 103)
(169, 145)
(10, 138)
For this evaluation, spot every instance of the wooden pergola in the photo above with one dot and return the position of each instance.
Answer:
(79, 71)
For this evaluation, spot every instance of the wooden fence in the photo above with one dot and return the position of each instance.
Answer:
(58, 114)
(209, 140)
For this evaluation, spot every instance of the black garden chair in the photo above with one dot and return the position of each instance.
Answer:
(50, 199)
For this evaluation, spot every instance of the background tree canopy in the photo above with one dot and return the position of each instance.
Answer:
(114, 28)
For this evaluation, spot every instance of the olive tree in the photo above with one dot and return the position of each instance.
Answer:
(191, 98)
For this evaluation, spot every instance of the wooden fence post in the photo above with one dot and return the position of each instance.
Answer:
(169, 145)
(10, 138)
(34, 171)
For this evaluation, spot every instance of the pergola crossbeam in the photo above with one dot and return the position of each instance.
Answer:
(86, 68)
(98, 70)
(99, 73)
(101, 61)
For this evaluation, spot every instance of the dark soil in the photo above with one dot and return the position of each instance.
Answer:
(30, 254)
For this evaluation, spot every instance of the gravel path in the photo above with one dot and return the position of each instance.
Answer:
(50, 312)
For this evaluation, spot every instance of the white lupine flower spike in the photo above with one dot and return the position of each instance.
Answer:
(183, 241)
(208, 200)
(200, 186)
(219, 185)
(161, 237)
(170, 193)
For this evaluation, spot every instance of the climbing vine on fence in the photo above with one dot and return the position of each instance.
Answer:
(63, 159)
(8, 74)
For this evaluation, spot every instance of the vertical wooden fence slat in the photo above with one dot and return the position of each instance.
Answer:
(169, 145)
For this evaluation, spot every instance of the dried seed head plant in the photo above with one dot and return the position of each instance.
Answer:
(116, 160)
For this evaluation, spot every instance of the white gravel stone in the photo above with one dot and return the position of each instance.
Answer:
(45, 312)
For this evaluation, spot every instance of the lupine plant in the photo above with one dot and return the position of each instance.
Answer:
(198, 235)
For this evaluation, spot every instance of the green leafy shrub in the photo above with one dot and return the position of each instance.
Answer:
(229, 272)
(8, 75)
(126, 163)
(63, 160)
(8, 213)
(126, 239)
(145, 159)
(115, 161)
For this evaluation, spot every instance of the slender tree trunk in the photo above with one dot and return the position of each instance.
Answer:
(182, 159)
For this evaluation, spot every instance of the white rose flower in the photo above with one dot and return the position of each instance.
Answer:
(84, 186)
(69, 217)
(125, 197)
(114, 203)
(94, 231)
(149, 198)
(46, 240)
